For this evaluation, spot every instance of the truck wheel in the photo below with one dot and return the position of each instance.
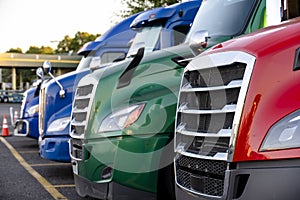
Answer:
(166, 183)
(166, 175)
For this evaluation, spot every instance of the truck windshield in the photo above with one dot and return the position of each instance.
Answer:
(84, 63)
(222, 17)
(92, 60)
(146, 37)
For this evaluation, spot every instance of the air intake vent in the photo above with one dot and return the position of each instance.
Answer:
(209, 106)
(80, 113)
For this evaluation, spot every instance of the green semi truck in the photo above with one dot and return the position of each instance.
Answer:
(123, 116)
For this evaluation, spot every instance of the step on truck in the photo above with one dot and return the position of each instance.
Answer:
(158, 29)
(123, 146)
(98, 51)
(237, 134)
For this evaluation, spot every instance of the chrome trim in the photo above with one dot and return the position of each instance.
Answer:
(222, 59)
(22, 109)
(217, 156)
(221, 133)
(206, 62)
(231, 85)
(70, 152)
(185, 60)
(225, 109)
(85, 81)
(42, 99)
(16, 133)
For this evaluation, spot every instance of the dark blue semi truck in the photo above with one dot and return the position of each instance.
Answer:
(111, 45)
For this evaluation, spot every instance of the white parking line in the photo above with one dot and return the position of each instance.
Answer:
(48, 186)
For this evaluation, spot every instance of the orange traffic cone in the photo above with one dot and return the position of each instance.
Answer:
(15, 116)
(5, 131)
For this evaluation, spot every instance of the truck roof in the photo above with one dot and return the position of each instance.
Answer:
(173, 11)
(263, 41)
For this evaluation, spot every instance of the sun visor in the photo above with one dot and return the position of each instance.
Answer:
(152, 15)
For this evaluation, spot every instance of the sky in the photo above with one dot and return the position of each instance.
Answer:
(25, 23)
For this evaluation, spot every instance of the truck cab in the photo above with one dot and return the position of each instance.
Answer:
(55, 99)
(27, 123)
(237, 117)
(157, 29)
(124, 144)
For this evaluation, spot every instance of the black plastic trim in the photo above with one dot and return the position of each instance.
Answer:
(126, 76)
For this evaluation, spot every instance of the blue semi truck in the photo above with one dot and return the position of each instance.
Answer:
(55, 111)
(111, 45)
(56, 95)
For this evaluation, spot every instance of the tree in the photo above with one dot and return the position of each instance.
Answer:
(40, 50)
(136, 6)
(14, 50)
(69, 44)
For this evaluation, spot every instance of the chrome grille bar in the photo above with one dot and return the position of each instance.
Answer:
(210, 103)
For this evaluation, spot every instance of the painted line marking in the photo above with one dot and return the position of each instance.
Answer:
(48, 186)
(23, 152)
(64, 186)
(50, 164)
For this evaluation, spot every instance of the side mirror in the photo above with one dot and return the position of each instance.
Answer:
(47, 66)
(40, 73)
(198, 42)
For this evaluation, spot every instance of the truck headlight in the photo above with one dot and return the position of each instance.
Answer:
(121, 119)
(284, 134)
(32, 110)
(59, 124)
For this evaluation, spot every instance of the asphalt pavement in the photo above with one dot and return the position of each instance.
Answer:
(25, 175)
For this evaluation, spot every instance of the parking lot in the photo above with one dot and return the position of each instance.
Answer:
(25, 175)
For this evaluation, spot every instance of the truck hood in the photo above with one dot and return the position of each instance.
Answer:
(54, 102)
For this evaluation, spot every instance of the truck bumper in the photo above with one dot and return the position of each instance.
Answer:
(256, 180)
(110, 190)
(56, 149)
(114, 160)
(27, 127)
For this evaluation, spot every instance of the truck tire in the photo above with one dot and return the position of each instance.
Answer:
(166, 183)
(166, 175)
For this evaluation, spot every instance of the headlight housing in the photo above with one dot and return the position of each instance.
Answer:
(121, 119)
(59, 124)
(32, 110)
(284, 134)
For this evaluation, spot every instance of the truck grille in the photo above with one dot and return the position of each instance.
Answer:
(42, 102)
(80, 114)
(212, 93)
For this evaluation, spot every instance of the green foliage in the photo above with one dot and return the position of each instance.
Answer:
(40, 50)
(14, 50)
(136, 6)
(69, 44)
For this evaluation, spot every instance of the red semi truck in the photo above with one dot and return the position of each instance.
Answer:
(238, 119)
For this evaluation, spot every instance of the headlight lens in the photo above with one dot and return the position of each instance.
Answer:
(59, 124)
(32, 110)
(121, 119)
(284, 134)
